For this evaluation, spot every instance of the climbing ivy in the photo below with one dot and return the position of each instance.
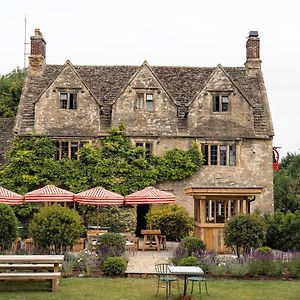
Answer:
(116, 165)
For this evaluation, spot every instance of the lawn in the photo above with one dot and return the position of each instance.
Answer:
(145, 289)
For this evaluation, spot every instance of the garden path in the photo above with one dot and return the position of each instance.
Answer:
(143, 262)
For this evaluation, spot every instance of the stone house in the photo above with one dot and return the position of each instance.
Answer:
(225, 109)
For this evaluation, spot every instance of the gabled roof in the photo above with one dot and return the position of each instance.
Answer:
(181, 83)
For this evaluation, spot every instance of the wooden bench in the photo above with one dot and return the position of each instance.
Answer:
(32, 267)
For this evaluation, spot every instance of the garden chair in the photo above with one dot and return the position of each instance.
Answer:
(164, 279)
(199, 280)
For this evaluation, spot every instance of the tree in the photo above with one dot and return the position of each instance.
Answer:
(10, 92)
(55, 228)
(283, 231)
(8, 227)
(244, 232)
(287, 184)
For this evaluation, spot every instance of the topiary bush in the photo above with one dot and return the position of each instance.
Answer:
(173, 221)
(193, 245)
(114, 266)
(190, 261)
(54, 228)
(8, 227)
(110, 244)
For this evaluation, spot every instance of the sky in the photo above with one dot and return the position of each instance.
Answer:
(167, 33)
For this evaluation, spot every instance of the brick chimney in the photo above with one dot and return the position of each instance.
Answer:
(253, 63)
(37, 56)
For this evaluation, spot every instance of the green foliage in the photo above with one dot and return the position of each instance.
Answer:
(55, 228)
(110, 244)
(193, 245)
(8, 227)
(30, 165)
(293, 267)
(10, 92)
(114, 266)
(173, 221)
(264, 250)
(244, 232)
(283, 230)
(287, 184)
(190, 261)
(117, 165)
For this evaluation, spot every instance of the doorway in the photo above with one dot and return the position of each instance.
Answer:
(141, 222)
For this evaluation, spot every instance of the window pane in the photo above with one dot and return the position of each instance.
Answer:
(232, 155)
(223, 155)
(64, 149)
(139, 144)
(214, 155)
(74, 150)
(139, 101)
(220, 211)
(149, 102)
(216, 103)
(73, 101)
(204, 151)
(148, 149)
(56, 155)
(63, 100)
(225, 103)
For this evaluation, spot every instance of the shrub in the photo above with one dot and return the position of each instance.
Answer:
(69, 264)
(55, 228)
(238, 269)
(293, 266)
(178, 255)
(8, 227)
(114, 266)
(218, 270)
(244, 232)
(190, 261)
(193, 245)
(173, 221)
(110, 244)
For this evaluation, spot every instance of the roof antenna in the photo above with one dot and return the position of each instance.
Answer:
(25, 43)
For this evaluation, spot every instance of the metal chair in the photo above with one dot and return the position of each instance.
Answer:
(199, 279)
(164, 279)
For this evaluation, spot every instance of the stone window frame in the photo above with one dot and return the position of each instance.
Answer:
(223, 154)
(217, 103)
(70, 104)
(141, 99)
(67, 145)
(143, 142)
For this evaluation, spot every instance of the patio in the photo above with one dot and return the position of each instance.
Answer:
(142, 264)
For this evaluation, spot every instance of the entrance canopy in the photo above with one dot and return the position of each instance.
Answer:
(9, 197)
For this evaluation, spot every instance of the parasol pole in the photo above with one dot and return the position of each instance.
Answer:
(97, 220)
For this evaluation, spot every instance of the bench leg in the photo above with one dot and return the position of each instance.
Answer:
(54, 284)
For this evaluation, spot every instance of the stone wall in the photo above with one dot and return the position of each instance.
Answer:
(6, 136)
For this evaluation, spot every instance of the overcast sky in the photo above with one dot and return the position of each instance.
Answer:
(168, 32)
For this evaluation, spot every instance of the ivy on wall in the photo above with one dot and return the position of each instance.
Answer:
(116, 165)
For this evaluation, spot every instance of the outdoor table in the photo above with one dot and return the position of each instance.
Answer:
(185, 271)
(151, 238)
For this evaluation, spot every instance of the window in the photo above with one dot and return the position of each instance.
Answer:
(146, 146)
(219, 211)
(144, 101)
(67, 149)
(220, 103)
(68, 100)
(222, 155)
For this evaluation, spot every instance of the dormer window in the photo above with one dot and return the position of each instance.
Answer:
(144, 101)
(67, 100)
(220, 103)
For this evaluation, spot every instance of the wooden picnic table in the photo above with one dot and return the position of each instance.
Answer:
(26, 267)
(151, 238)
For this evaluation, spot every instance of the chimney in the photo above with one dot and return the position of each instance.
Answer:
(37, 56)
(253, 63)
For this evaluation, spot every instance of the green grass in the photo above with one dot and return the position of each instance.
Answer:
(145, 289)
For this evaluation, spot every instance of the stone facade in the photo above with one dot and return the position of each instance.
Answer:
(6, 137)
(225, 109)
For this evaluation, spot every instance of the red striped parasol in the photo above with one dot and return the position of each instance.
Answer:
(150, 195)
(49, 193)
(9, 197)
(99, 196)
